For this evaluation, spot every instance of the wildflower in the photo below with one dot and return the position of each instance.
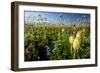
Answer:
(45, 19)
(61, 20)
(71, 39)
(76, 43)
(83, 30)
(60, 15)
(39, 15)
(63, 30)
(78, 34)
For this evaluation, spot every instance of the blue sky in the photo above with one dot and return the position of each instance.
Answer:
(56, 17)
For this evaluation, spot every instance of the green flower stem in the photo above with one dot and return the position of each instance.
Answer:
(71, 49)
(74, 55)
(77, 54)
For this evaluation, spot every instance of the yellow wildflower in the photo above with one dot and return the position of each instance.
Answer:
(76, 43)
(78, 34)
(83, 30)
(63, 30)
(71, 39)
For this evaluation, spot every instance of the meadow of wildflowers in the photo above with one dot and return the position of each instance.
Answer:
(46, 41)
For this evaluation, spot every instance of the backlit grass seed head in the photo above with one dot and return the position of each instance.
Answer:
(71, 39)
(76, 44)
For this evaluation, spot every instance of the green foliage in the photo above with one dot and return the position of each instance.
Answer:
(28, 38)
(57, 38)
